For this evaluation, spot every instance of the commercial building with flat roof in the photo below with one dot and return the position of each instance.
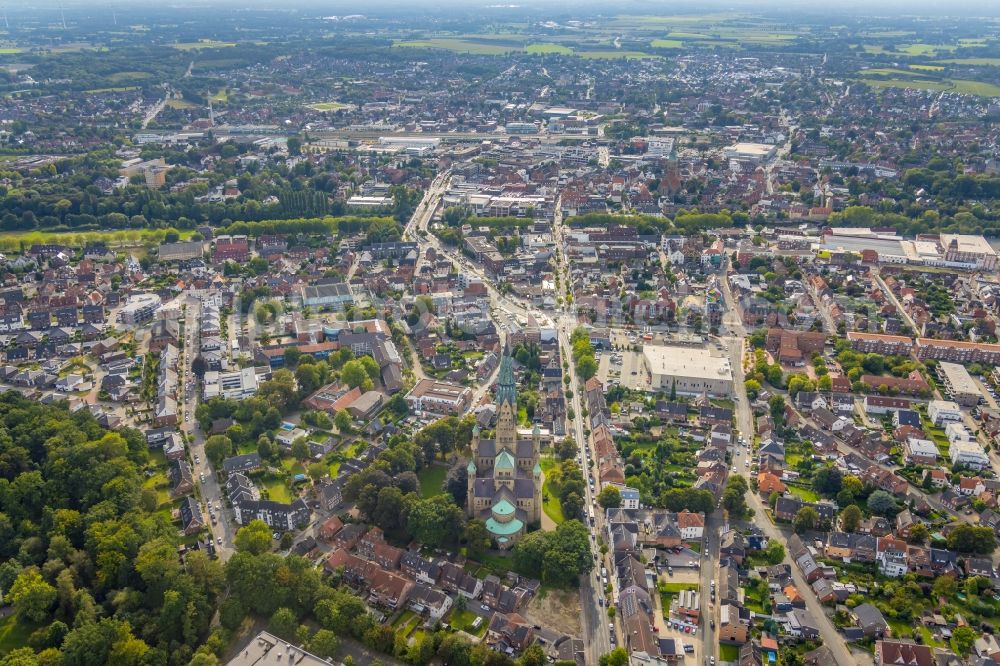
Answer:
(431, 395)
(691, 371)
(757, 152)
(268, 649)
(140, 308)
(969, 249)
(959, 384)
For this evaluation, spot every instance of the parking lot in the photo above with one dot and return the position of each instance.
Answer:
(686, 633)
(625, 368)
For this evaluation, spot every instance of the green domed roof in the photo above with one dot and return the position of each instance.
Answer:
(471, 468)
(503, 508)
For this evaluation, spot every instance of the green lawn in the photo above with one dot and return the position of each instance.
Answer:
(328, 106)
(276, 489)
(666, 44)
(14, 633)
(550, 503)
(293, 466)
(462, 620)
(729, 652)
(803, 493)
(161, 485)
(431, 480)
(900, 628)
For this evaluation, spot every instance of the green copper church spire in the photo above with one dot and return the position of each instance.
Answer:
(506, 390)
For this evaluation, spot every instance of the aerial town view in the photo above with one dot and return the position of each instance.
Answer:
(596, 334)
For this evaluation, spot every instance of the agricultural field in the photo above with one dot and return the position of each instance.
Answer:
(926, 80)
(976, 62)
(177, 103)
(202, 44)
(615, 55)
(666, 44)
(457, 45)
(548, 48)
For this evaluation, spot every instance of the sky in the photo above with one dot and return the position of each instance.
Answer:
(955, 8)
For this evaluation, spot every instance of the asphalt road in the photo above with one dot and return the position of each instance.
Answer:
(596, 636)
(744, 421)
(211, 492)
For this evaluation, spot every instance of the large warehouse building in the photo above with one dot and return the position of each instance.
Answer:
(692, 371)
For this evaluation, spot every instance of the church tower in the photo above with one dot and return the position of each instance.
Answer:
(506, 436)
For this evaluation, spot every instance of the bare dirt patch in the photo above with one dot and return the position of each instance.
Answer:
(556, 609)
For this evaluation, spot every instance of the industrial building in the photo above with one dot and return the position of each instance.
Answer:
(689, 371)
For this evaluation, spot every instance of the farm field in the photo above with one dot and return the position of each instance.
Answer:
(666, 44)
(979, 62)
(457, 45)
(202, 44)
(926, 80)
(546, 48)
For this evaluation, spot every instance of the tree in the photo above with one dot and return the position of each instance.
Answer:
(734, 497)
(753, 388)
(566, 448)
(456, 483)
(972, 539)
(300, 449)
(557, 557)
(774, 554)
(253, 538)
(477, 538)
(776, 406)
(324, 643)
(805, 520)
(918, 534)
(945, 586)
(354, 373)
(284, 623)
(963, 639)
(850, 518)
(343, 421)
(31, 595)
(609, 497)
(827, 481)
(534, 655)
(317, 471)
(617, 657)
(436, 521)
(881, 503)
(218, 448)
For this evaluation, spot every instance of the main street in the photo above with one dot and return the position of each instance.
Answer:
(223, 530)
(595, 632)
